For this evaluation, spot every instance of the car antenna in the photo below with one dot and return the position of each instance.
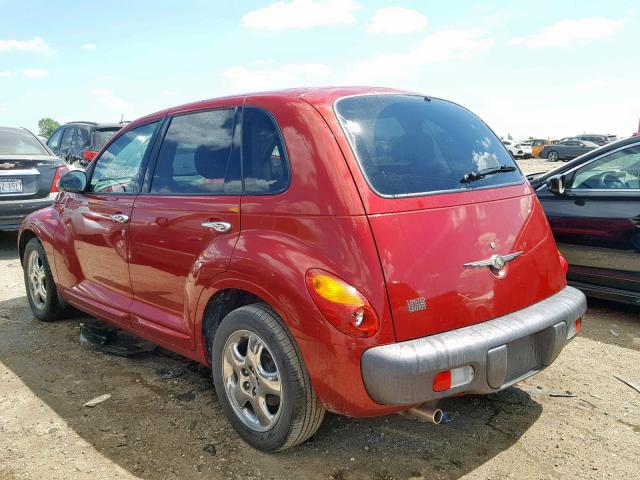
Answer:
(121, 118)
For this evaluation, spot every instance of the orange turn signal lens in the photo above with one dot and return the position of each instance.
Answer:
(341, 304)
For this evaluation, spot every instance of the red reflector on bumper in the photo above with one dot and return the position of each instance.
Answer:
(442, 381)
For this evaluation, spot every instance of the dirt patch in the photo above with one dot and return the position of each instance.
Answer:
(163, 420)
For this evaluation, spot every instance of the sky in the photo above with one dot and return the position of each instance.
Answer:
(541, 69)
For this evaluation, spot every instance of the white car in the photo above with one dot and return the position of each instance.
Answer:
(518, 148)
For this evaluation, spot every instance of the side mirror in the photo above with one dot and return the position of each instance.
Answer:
(556, 185)
(74, 181)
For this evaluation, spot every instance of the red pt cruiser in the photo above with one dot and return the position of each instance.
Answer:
(358, 250)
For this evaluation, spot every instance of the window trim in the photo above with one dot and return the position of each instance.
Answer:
(161, 134)
(139, 177)
(284, 154)
(419, 194)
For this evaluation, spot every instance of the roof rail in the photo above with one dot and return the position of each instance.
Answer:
(84, 121)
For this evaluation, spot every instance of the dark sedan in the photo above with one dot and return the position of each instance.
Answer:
(29, 172)
(593, 206)
(566, 150)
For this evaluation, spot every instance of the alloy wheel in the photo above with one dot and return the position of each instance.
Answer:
(251, 380)
(37, 280)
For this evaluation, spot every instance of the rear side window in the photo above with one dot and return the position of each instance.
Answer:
(102, 136)
(81, 140)
(411, 145)
(54, 141)
(264, 162)
(195, 156)
(67, 137)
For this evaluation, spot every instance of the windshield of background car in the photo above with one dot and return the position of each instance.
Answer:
(19, 142)
(102, 136)
(411, 145)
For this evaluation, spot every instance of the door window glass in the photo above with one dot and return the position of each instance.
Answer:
(81, 140)
(618, 170)
(66, 138)
(54, 141)
(265, 166)
(117, 168)
(195, 156)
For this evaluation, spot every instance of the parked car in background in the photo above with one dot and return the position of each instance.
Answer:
(28, 175)
(537, 144)
(518, 148)
(612, 138)
(566, 150)
(597, 139)
(324, 265)
(593, 206)
(77, 143)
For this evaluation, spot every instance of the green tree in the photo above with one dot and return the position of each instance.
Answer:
(47, 126)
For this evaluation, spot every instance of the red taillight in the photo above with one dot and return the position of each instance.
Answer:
(89, 155)
(563, 263)
(341, 304)
(59, 172)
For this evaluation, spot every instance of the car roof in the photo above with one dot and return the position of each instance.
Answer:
(312, 95)
(95, 124)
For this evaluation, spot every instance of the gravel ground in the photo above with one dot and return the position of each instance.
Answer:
(154, 427)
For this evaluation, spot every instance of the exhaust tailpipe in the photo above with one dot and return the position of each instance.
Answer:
(425, 412)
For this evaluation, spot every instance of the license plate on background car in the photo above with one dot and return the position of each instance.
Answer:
(11, 185)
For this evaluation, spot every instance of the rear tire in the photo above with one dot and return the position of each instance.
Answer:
(256, 362)
(38, 281)
(553, 156)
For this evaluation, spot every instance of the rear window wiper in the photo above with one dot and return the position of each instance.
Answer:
(473, 176)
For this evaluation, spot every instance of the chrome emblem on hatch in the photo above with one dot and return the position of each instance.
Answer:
(7, 165)
(496, 262)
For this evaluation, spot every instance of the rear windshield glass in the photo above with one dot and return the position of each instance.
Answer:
(19, 142)
(411, 145)
(102, 136)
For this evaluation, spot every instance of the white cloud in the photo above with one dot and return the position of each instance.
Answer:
(112, 102)
(267, 75)
(98, 92)
(36, 44)
(7, 73)
(35, 73)
(396, 20)
(89, 46)
(297, 14)
(569, 32)
(441, 46)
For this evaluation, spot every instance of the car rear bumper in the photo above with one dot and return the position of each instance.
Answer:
(501, 352)
(12, 212)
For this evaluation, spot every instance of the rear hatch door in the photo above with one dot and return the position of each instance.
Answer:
(444, 198)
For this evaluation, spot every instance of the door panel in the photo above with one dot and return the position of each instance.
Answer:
(94, 251)
(175, 249)
(173, 256)
(597, 221)
(600, 237)
(93, 237)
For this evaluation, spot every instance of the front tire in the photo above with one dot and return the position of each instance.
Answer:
(261, 381)
(38, 281)
(553, 156)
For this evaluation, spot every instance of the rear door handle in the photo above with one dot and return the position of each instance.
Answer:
(120, 218)
(221, 227)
